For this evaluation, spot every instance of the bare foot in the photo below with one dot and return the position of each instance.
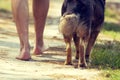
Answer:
(24, 55)
(39, 50)
(24, 59)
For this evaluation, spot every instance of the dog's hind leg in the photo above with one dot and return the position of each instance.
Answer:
(67, 40)
(76, 40)
(91, 42)
(82, 61)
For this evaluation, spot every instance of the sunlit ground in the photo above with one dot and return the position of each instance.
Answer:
(105, 55)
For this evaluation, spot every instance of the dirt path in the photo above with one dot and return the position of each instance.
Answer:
(49, 66)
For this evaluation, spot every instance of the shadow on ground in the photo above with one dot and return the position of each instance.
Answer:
(111, 27)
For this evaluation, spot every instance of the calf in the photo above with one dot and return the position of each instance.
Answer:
(81, 20)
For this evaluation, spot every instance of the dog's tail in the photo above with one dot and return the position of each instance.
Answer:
(68, 24)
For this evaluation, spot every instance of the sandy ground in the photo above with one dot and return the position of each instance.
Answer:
(49, 66)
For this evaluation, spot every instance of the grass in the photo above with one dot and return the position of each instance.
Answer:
(115, 74)
(111, 30)
(112, 25)
(106, 53)
(5, 5)
(111, 74)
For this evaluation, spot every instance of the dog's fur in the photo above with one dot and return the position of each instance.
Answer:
(81, 20)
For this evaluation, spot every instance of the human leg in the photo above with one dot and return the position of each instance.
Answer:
(21, 16)
(40, 9)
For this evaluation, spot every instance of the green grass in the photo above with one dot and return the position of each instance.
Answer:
(106, 54)
(112, 26)
(115, 74)
(5, 5)
(111, 74)
(112, 30)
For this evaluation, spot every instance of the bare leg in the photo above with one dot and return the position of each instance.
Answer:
(40, 9)
(20, 12)
(68, 50)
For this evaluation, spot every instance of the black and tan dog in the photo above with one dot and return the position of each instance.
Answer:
(81, 20)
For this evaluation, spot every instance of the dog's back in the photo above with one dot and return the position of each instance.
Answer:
(98, 14)
(81, 16)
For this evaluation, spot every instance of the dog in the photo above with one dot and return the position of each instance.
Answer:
(81, 20)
